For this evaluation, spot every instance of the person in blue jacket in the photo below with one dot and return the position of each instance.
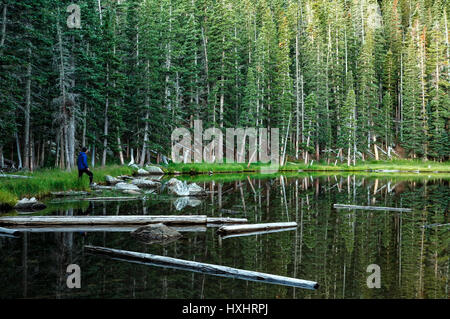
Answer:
(83, 167)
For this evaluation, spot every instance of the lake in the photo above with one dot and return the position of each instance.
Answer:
(330, 246)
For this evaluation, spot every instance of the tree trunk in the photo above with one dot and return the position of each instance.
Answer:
(27, 113)
(2, 41)
(105, 129)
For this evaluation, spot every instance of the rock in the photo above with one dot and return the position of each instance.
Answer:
(125, 177)
(155, 170)
(142, 172)
(144, 183)
(183, 202)
(178, 188)
(134, 166)
(32, 204)
(156, 233)
(112, 180)
(131, 192)
(125, 186)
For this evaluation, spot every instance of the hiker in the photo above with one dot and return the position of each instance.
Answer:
(83, 166)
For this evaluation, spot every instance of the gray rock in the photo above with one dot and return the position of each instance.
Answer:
(142, 172)
(32, 204)
(112, 180)
(156, 233)
(145, 183)
(194, 189)
(154, 170)
(125, 186)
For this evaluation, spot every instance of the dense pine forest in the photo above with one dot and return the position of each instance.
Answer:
(349, 79)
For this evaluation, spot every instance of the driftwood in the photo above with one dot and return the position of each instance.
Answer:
(254, 228)
(259, 232)
(210, 269)
(393, 209)
(116, 220)
(96, 229)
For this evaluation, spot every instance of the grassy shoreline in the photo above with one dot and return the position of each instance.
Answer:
(397, 166)
(44, 182)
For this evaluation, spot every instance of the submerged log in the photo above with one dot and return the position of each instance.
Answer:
(253, 228)
(254, 233)
(111, 199)
(210, 269)
(115, 220)
(393, 209)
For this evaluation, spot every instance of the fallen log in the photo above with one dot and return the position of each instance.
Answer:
(258, 232)
(8, 231)
(253, 228)
(14, 176)
(97, 229)
(226, 220)
(393, 209)
(210, 269)
(116, 220)
(110, 199)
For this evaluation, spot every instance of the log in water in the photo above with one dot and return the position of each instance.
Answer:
(98, 229)
(254, 228)
(254, 233)
(393, 209)
(210, 269)
(8, 231)
(117, 220)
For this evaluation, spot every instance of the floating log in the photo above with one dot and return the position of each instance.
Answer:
(210, 269)
(226, 220)
(116, 220)
(69, 193)
(8, 231)
(98, 229)
(111, 199)
(259, 232)
(393, 209)
(253, 228)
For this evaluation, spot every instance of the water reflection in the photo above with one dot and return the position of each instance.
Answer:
(332, 247)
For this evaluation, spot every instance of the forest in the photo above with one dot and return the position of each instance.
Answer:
(355, 79)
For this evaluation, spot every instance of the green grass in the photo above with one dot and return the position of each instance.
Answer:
(43, 182)
(400, 165)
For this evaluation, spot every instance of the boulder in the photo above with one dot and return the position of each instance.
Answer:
(145, 183)
(26, 204)
(178, 188)
(133, 166)
(112, 180)
(154, 170)
(156, 233)
(125, 177)
(142, 172)
(125, 186)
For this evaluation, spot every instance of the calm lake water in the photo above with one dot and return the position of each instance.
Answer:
(332, 247)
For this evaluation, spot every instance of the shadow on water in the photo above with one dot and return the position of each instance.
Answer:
(329, 246)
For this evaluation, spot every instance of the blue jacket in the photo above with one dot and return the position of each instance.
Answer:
(82, 161)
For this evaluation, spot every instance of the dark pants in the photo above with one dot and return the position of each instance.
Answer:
(85, 171)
